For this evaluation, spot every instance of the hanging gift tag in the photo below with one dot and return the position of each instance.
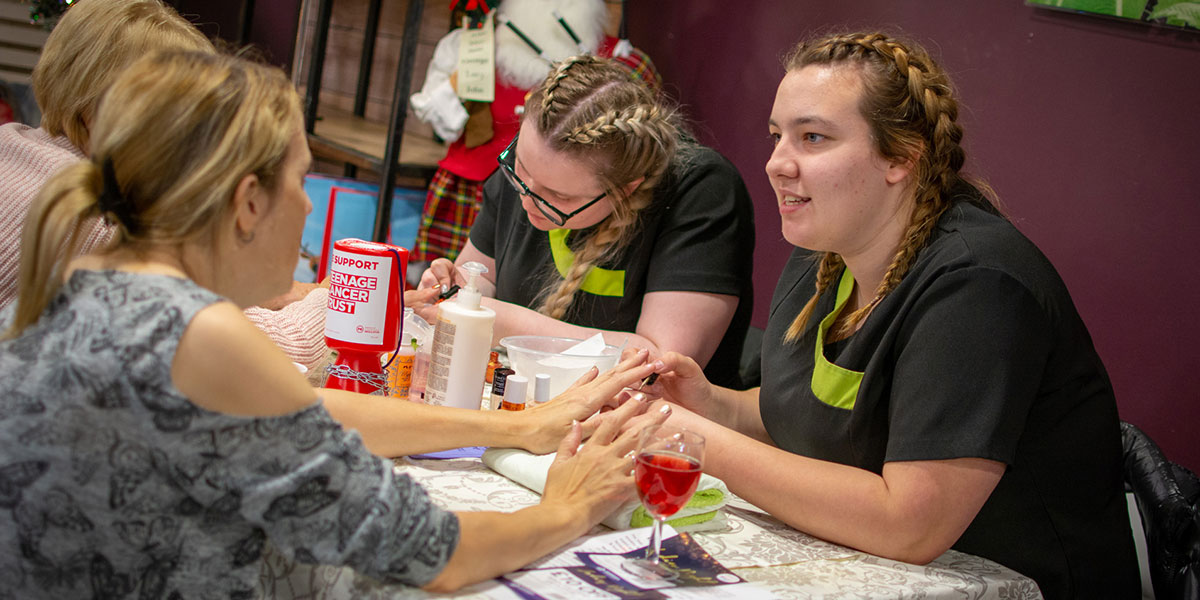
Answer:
(477, 62)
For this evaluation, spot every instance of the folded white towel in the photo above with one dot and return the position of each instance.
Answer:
(702, 513)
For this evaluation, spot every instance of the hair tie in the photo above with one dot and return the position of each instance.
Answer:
(115, 207)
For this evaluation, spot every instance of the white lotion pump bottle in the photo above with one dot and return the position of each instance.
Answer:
(462, 338)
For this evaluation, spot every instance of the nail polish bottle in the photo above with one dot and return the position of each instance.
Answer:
(515, 388)
(541, 388)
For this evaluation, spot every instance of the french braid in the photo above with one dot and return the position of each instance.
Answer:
(553, 103)
(831, 267)
(589, 107)
(909, 103)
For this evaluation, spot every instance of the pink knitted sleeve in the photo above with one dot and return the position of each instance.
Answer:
(298, 328)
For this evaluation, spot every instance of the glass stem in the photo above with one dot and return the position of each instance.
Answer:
(655, 541)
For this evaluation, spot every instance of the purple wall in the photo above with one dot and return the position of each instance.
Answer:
(272, 28)
(1089, 129)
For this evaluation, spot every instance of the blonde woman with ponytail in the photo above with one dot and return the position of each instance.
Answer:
(93, 42)
(156, 441)
(927, 381)
(604, 216)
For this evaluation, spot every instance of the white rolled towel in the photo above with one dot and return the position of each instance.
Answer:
(702, 513)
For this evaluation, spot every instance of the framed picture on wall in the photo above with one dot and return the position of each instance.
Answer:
(1184, 14)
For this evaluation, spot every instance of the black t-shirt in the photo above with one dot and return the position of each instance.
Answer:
(979, 352)
(697, 235)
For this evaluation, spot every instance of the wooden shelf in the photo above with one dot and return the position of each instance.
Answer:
(22, 43)
(340, 136)
(358, 142)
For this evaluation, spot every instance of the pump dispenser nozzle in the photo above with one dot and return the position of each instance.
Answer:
(469, 296)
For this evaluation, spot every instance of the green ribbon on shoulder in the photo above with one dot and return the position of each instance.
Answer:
(598, 281)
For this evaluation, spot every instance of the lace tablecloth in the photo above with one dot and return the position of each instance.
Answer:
(756, 546)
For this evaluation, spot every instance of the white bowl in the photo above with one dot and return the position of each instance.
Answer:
(530, 355)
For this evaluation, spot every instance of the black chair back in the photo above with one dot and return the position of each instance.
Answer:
(1167, 496)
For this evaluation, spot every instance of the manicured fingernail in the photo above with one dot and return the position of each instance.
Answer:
(640, 397)
(665, 409)
(658, 364)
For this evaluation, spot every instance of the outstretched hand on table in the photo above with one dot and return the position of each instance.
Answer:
(547, 424)
(596, 478)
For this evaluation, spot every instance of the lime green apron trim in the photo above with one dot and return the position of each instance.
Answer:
(834, 385)
(601, 282)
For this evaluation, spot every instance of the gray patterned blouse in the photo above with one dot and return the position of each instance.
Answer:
(113, 484)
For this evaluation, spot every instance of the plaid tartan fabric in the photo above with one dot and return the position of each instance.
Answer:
(641, 67)
(450, 208)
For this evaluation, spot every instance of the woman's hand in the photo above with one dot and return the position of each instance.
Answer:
(443, 273)
(681, 381)
(594, 480)
(545, 425)
(423, 301)
(583, 486)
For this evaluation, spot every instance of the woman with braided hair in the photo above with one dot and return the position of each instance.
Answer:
(605, 215)
(927, 381)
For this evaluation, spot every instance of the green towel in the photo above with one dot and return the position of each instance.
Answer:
(692, 513)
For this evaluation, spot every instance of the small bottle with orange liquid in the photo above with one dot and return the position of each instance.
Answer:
(515, 388)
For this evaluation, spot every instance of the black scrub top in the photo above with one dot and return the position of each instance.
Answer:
(697, 235)
(979, 352)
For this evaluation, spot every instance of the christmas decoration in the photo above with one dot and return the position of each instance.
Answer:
(475, 10)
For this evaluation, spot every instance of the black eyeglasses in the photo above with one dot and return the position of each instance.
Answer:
(507, 160)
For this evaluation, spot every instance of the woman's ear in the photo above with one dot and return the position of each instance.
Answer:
(632, 186)
(899, 169)
(249, 206)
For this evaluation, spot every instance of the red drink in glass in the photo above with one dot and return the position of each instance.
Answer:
(666, 481)
(667, 471)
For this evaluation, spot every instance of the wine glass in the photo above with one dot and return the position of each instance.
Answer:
(669, 460)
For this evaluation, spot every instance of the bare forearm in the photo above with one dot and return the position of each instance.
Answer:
(394, 427)
(839, 503)
(738, 410)
(832, 502)
(491, 544)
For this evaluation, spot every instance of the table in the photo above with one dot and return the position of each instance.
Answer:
(757, 547)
